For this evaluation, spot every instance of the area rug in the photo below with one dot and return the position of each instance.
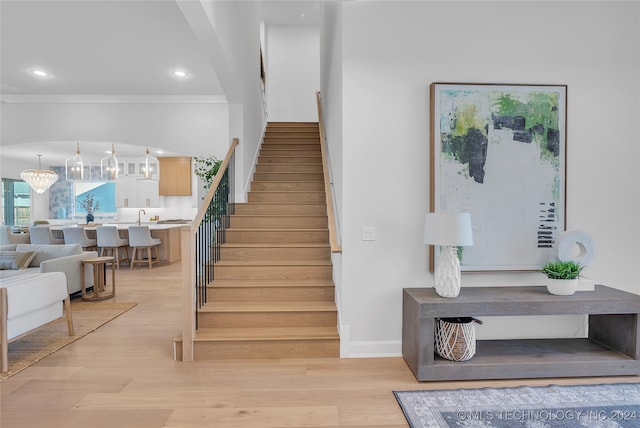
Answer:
(610, 406)
(87, 317)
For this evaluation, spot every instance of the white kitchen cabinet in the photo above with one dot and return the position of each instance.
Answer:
(134, 193)
(148, 196)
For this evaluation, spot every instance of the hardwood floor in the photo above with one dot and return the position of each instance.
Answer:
(124, 375)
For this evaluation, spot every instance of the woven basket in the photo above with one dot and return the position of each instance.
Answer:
(456, 338)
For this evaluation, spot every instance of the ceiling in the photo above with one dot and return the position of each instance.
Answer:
(112, 49)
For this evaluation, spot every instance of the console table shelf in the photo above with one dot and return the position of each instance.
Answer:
(611, 348)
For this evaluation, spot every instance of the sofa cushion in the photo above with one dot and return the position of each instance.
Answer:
(30, 292)
(16, 260)
(8, 247)
(49, 251)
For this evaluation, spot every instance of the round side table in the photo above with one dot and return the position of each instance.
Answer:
(101, 290)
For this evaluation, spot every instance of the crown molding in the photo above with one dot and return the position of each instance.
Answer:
(112, 99)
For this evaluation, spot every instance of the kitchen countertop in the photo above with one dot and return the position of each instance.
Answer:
(153, 225)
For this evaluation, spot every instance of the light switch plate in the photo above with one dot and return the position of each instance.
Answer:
(368, 233)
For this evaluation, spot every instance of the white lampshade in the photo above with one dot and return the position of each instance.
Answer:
(452, 229)
(40, 180)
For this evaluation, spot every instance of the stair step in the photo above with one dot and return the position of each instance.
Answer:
(291, 153)
(263, 333)
(285, 160)
(280, 209)
(284, 134)
(267, 314)
(275, 144)
(276, 342)
(288, 176)
(275, 251)
(278, 222)
(274, 269)
(277, 124)
(286, 167)
(279, 186)
(293, 197)
(268, 307)
(278, 236)
(288, 152)
(270, 290)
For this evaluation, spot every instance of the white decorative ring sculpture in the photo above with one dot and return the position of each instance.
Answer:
(575, 246)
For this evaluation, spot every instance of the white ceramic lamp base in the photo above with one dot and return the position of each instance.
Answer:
(447, 272)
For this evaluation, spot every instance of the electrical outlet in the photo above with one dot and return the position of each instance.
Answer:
(368, 233)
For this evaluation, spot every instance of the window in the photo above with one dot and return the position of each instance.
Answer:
(103, 193)
(15, 202)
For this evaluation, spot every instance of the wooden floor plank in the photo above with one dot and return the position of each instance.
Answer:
(124, 375)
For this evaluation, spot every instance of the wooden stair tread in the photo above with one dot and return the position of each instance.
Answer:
(276, 245)
(242, 283)
(265, 307)
(276, 230)
(283, 262)
(271, 204)
(266, 333)
(288, 182)
(283, 216)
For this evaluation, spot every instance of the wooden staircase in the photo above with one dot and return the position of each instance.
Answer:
(273, 293)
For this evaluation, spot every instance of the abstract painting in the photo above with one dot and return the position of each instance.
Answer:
(498, 151)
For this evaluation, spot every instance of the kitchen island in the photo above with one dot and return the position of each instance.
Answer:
(170, 250)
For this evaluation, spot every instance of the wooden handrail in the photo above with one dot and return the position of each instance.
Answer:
(188, 265)
(214, 186)
(333, 231)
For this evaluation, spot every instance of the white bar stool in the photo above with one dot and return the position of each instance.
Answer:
(140, 239)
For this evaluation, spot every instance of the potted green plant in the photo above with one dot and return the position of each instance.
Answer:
(562, 276)
(206, 169)
(90, 205)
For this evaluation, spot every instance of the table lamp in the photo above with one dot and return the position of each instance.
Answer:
(449, 230)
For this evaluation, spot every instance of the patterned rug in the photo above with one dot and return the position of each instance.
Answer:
(610, 406)
(87, 317)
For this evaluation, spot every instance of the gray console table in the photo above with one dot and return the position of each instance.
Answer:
(611, 348)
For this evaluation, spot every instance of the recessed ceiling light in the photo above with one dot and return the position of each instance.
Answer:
(40, 73)
(180, 73)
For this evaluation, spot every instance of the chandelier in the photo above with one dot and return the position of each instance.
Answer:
(40, 180)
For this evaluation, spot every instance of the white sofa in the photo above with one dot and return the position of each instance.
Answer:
(54, 258)
(29, 301)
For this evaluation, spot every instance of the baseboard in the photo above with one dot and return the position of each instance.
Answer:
(367, 349)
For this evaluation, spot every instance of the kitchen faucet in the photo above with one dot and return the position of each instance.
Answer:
(140, 211)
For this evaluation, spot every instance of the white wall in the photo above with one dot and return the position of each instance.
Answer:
(293, 73)
(331, 96)
(391, 52)
(237, 27)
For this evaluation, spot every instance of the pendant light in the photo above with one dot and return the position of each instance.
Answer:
(109, 166)
(74, 166)
(148, 167)
(40, 180)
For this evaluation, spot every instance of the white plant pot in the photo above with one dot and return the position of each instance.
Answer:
(562, 287)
